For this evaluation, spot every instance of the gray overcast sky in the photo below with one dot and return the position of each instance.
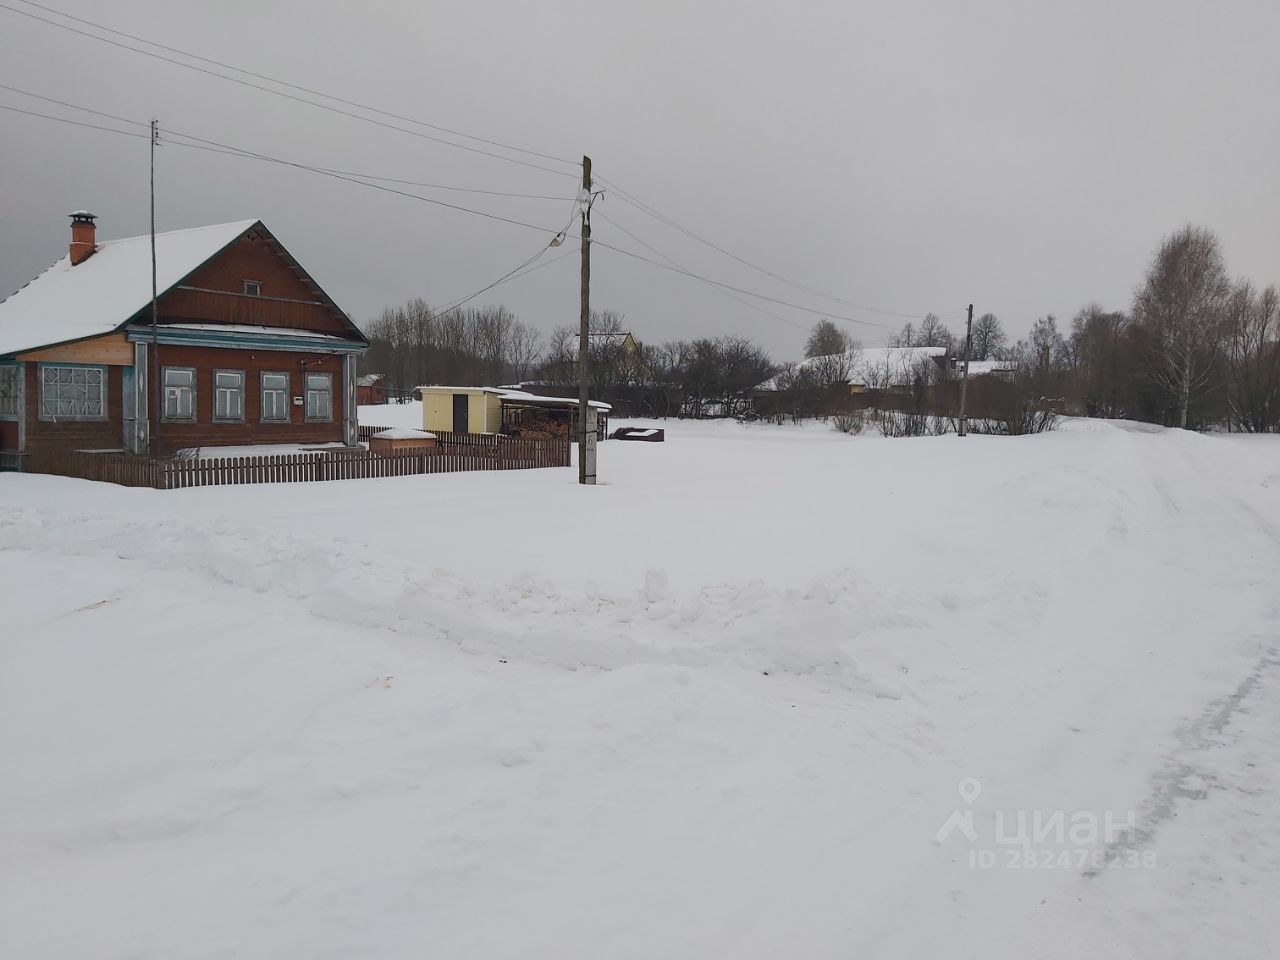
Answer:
(1026, 156)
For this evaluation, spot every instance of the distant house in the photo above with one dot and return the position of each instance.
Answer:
(623, 342)
(371, 389)
(246, 347)
(501, 410)
(887, 368)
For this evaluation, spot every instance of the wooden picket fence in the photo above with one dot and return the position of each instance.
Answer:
(456, 453)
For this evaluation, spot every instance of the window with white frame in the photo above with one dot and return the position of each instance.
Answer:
(228, 395)
(179, 393)
(10, 390)
(73, 393)
(253, 288)
(275, 397)
(319, 396)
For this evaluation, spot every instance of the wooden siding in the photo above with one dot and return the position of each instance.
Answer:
(484, 409)
(45, 435)
(114, 349)
(215, 292)
(204, 432)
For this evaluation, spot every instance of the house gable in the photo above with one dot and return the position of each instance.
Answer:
(286, 295)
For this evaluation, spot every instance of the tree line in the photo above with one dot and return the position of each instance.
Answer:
(1195, 348)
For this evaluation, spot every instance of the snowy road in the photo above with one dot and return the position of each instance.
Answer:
(726, 712)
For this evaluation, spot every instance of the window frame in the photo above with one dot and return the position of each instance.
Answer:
(287, 417)
(164, 395)
(306, 397)
(244, 288)
(20, 389)
(59, 418)
(217, 417)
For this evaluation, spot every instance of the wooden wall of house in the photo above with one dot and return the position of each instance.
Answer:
(8, 434)
(167, 437)
(105, 434)
(250, 258)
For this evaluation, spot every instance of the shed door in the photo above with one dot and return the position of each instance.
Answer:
(460, 402)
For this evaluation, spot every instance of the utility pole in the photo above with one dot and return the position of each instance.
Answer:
(964, 382)
(586, 422)
(154, 415)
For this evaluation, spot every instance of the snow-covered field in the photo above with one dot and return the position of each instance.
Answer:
(764, 692)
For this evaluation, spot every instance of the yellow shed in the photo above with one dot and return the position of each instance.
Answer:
(461, 409)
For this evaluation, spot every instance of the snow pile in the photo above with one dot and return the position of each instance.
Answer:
(726, 712)
(404, 433)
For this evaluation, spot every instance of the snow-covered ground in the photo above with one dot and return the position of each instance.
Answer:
(764, 692)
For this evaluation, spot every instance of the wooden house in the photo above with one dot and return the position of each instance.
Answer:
(245, 347)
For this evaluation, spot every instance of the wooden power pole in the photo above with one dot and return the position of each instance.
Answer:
(155, 395)
(964, 382)
(586, 421)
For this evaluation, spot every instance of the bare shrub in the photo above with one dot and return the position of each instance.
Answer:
(852, 422)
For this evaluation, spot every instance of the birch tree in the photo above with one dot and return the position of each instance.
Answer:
(1181, 306)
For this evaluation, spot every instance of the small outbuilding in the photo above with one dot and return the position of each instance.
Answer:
(462, 409)
(507, 411)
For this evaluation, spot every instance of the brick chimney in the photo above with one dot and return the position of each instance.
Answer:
(83, 236)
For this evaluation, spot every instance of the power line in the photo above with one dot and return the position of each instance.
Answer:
(292, 86)
(623, 194)
(215, 147)
(653, 249)
(513, 275)
(349, 173)
(76, 123)
(510, 274)
(663, 218)
(280, 93)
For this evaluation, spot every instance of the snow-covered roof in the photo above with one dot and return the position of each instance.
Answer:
(889, 366)
(369, 379)
(518, 395)
(522, 396)
(99, 294)
(876, 366)
(981, 368)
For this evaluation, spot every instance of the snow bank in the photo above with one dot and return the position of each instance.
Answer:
(373, 718)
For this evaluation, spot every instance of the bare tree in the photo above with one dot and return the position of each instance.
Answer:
(908, 336)
(1104, 364)
(1181, 305)
(989, 339)
(933, 333)
(1251, 353)
(826, 340)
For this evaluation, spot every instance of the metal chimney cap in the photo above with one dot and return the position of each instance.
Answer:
(83, 216)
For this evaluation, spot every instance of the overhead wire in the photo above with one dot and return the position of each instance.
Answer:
(281, 93)
(294, 86)
(733, 296)
(349, 173)
(216, 147)
(510, 274)
(639, 204)
(623, 194)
